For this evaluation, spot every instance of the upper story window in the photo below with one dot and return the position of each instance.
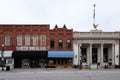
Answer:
(52, 43)
(35, 40)
(43, 40)
(19, 40)
(68, 43)
(7, 40)
(27, 40)
(60, 43)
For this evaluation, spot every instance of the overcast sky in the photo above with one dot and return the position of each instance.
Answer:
(76, 14)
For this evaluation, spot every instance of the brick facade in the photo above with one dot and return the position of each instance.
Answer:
(31, 44)
(56, 34)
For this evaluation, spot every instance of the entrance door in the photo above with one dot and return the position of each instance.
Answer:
(94, 55)
(36, 63)
(42, 63)
(25, 63)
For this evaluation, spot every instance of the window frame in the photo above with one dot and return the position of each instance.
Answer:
(52, 42)
(68, 44)
(7, 40)
(60, 44)
(27, 40)
(19, 40)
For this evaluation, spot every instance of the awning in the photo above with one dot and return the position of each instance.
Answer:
(60, 54)
(7, 54)
(30, 54)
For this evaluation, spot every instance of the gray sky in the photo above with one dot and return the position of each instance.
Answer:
(76, 14)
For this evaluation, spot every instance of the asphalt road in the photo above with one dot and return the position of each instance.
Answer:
(61, 75)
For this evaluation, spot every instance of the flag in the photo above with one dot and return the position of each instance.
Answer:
(94, 13)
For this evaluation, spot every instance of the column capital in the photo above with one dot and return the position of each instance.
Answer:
(102, 44)
(90, 43)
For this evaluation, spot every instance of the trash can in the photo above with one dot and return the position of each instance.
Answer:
(7, 68)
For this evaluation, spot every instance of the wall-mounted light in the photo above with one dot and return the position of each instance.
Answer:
(117, 56)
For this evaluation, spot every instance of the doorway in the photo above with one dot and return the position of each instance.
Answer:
(94, 55)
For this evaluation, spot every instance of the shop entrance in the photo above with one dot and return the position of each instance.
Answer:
(94, 55)
(40, 63)
(25, 63)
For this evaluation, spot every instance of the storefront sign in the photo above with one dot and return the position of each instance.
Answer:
(27, 48)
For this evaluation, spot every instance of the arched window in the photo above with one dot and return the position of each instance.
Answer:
(43, 40)
(35, 40)
(68, 43)
(7, 40)
(19, 40)
(52, 43)
(60, 43)
(27, 40)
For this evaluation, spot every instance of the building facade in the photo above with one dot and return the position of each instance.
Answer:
(31, 46)
(96, 47)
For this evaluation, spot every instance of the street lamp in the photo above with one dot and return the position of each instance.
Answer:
(2, 55)
(80, 66)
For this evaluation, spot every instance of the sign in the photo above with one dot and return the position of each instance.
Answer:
(93, 66)
(28, 48)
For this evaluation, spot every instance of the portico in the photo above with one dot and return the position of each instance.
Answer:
(101, 48)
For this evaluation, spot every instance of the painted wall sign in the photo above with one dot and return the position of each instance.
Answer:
(26, 48)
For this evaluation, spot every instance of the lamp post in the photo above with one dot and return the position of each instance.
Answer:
(80, 66)
(2, 55)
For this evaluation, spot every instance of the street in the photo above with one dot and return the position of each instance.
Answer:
(61, 74)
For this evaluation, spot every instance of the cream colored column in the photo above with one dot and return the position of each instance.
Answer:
(79, 53)
(113, 55)
(90, 54)
(101, 56)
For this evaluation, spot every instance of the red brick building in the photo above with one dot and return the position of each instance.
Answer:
(37, 45)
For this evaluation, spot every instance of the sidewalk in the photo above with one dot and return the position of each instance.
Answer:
(56, 70)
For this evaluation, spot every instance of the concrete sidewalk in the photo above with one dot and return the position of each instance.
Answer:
(56, 70)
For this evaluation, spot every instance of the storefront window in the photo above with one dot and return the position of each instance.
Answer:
(35, 40)
(51, 43)
(7, 40)
(60, 43)
(19, 40)
(68, 43)
(27, 40)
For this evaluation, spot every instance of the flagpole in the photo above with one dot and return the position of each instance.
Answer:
(94, 14)
(94, 25)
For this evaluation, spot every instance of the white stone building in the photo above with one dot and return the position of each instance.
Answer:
(96, 46)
